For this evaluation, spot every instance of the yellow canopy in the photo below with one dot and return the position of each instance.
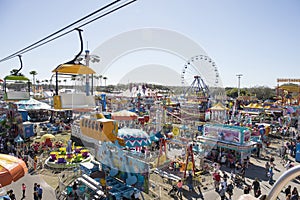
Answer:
(73, 69)
(219, 106)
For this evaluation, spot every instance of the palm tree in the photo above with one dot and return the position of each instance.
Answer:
(73, 78)
(46, 81)
(100, 77)
(105, 78)
(33, 73)
(14, 71)
(96, 81)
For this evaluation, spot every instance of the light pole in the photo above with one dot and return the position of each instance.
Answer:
(239, 81)
(89, 58)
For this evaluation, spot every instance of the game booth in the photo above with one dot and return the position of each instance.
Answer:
(220, 137)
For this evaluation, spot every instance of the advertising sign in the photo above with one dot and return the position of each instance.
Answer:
(227, 133)
(222, 133)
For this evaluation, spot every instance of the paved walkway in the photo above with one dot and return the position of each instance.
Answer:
(256, 169)
(29, 180)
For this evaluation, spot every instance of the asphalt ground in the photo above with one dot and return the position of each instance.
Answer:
(255, 169)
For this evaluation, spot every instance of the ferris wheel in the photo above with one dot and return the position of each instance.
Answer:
(199, 77)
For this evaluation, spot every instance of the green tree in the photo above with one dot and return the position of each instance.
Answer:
(105, 78)
(262, 92)
(100, 78)
(33, 73)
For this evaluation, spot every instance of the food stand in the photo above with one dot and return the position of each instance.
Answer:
(226, 137)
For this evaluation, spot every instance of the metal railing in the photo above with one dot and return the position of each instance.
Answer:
(283, 180)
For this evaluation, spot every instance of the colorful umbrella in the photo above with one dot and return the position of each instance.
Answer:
(11, 169)
(134, 137)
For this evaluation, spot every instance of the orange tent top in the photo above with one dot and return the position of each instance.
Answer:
(11, 169)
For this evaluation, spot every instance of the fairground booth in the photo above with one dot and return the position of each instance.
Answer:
(218, 140)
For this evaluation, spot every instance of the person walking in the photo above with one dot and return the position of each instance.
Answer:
(230, 189)
(217, 179)
(179, 189)
(267, 167)
(295, 194)
(287, 191)
(23, 190)
(270, 175)
(256, 187)
(189, 182)
(39, 191)
(35, 192)
(222, 193)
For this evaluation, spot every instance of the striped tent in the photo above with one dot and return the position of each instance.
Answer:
(134, 137)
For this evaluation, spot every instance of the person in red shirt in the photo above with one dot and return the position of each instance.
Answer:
(179, 187)
(217, 179)
(23, 189)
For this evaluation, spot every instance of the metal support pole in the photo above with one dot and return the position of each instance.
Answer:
(56, 83)
(87, 78)
(239, 79)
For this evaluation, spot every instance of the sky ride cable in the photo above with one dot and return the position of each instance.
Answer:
(51, 35)
(80, 26)
(35, 45)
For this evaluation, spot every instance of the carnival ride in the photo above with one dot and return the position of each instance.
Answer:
(16, 85)
(288, 92)
(68, 157)
(11, 169)
(73, 67)
(199, 76)
(202, 85)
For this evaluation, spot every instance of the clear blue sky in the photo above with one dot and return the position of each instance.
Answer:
(259, 38)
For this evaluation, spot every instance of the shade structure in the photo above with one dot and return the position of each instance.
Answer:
(47, 136)
(134, 137)
(219, 106)
(32, 104)
(11, 169)
(124, 115)
(73, 69)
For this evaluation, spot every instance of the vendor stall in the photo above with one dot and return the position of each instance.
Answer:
(224, 137)
(219, 113)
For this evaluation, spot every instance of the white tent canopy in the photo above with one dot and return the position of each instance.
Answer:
(32, 104)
